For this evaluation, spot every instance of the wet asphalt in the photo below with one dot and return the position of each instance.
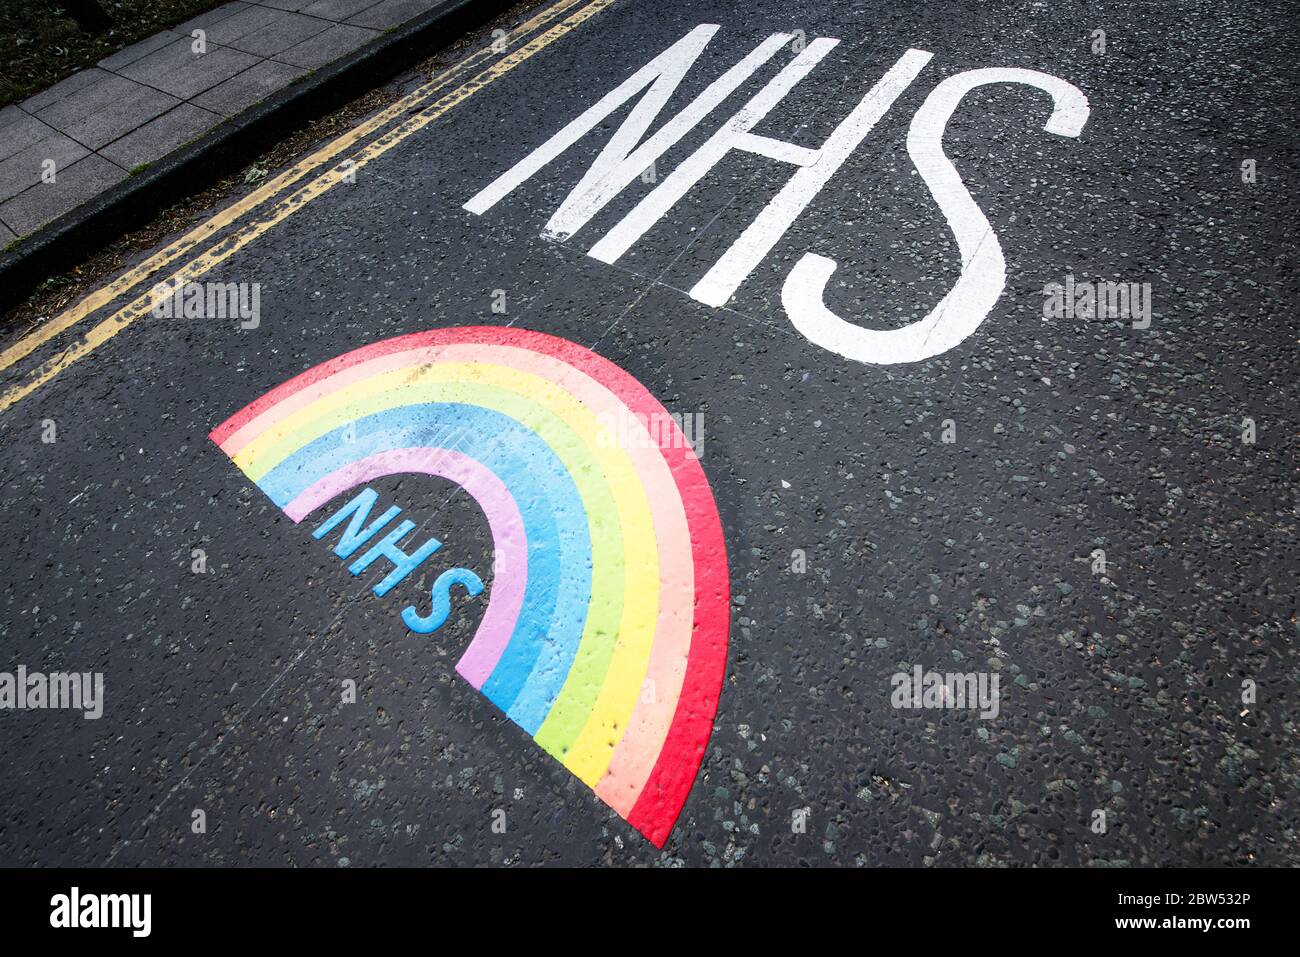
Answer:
(1121, 692)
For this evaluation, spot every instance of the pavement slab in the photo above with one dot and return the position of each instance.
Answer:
(284, 31)
(210, 19)
(23, 167)
(244, 89)
(178, 70)
(139, 50)
(296, 6)
(160, 136)
(327, 46)
(389, 13)
(142, 102)
(82, 180)
(60, 90)
(20, 131)
(338, 10)
(104, 110)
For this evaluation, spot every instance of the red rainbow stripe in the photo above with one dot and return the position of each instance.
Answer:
(401, 395)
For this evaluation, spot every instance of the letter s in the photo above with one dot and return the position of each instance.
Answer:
(983, 270)
(441, 595)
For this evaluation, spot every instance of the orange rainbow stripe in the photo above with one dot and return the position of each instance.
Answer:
(605, 635)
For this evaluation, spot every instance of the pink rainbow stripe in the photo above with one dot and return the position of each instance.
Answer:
(510, 566)
(659, 751)
(632, 762)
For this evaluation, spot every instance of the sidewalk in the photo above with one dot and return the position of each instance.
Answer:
(65, 145)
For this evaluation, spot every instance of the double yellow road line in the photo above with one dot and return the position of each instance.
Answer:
(424, 105)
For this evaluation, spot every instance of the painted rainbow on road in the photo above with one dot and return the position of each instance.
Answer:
(605, 636)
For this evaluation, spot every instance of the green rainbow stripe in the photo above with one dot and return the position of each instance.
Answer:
(605, 635)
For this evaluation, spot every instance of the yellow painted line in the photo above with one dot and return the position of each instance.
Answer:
(104, 331)
(137, 274)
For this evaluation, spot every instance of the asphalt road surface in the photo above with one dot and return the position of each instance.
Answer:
(1091, 513)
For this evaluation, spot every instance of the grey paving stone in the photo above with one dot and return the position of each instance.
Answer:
(109, 107)
(242, 23)
(244, 89)
(22, 168)
(19, 130)
(285, 4)
(59, 91)
(178, 70)
(130, 108)
(36, 206)
(390, 13)
(336, 9)
(327, 46)
(7, 235)
(136, 50)
(159, 137)
(207, 20)
(278, 34)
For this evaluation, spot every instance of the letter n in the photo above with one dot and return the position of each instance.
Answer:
(357, 532)
(622, 160)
